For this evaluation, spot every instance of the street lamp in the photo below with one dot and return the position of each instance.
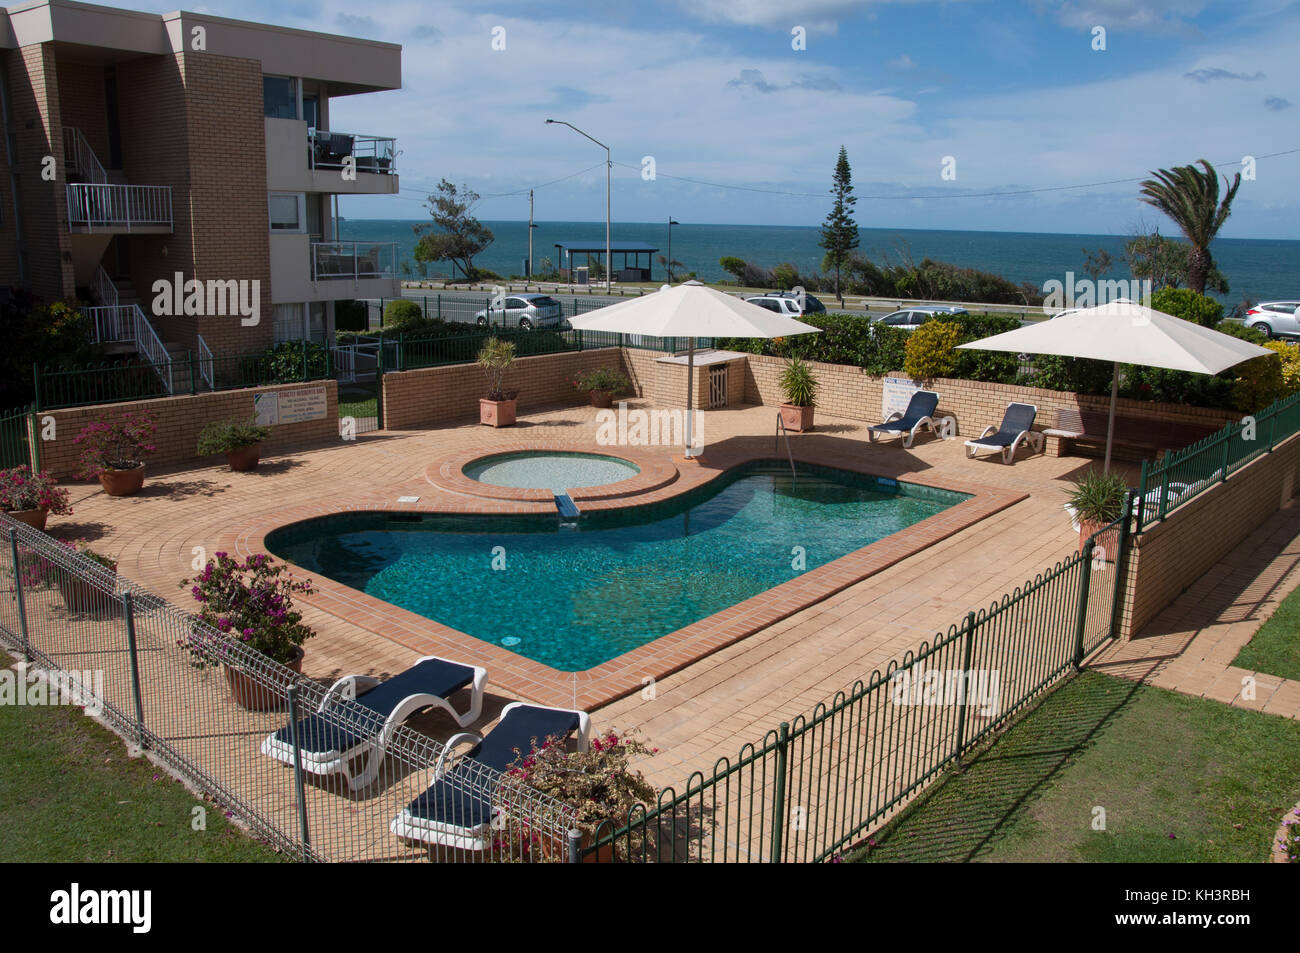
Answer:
(609, 165)
(671, 223)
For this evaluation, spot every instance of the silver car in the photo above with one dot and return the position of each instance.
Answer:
(909, 319)
(522, 311)
(1275, 318)
(788, 303)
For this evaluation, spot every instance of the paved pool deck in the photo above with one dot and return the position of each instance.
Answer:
(714, 700)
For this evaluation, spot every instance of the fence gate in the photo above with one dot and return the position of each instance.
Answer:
(717, 386)
(356, 367)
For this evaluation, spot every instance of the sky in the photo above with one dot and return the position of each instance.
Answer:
(716, 111)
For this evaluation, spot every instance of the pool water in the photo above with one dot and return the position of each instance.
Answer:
(549, 470)
(574, 598)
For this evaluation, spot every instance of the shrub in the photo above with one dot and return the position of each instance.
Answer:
(21, 488)
(1189, 305)
(602, 378)
(400, 312)
(119, 443)
(785, 276)
(495, 357)
(1290, 355)
(798, 384)
(252, 602)
(998, 367)
(223, 436)
(285, 362)
(1290, 841)
(931, 350)
(1239, 330)
(1258, 384)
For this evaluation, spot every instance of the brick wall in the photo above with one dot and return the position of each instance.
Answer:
(81, 102)
(850, 392)
(179, 421)
(1174, 553)
(436, 394)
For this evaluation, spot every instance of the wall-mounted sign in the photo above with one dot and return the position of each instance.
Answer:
(290, 406)
(897, 392)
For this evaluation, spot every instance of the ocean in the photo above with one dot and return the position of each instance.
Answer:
(1261, 269)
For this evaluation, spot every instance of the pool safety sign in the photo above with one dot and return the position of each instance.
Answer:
(898, 391)
(290, 406)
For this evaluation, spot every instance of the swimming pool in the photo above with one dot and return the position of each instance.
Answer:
(573, 598)
(554, 470)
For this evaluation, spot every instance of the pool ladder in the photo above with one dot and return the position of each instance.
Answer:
(568, 511)
(776, 443)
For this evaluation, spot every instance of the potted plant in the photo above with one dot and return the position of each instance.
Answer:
(497, 409)
(602, 385)
(81, 595)
(239, 438)
(30, 497)
(114, 450)
(598, 783)
(799, 388)
(248, 602)
(1095, 501)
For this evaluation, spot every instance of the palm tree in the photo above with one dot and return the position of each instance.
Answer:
(1191, 198)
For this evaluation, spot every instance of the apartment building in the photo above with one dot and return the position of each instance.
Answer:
(141, 147)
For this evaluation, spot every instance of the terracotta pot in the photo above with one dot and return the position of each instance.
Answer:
(33, 518)
(81, 596)
(601, 398)
(798, 419)
(122, 482)
(243, 459)
(1106, 545)
(496, 413)
(252, 694)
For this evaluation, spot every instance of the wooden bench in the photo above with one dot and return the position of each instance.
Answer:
(1136, 438)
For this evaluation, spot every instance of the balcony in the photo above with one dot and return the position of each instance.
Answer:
(331, 150)
(353, 261)
(95, 207)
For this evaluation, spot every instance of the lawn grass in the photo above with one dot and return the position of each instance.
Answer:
(1275, 648)
(71, 794)
(1181, 779)
(357, 402)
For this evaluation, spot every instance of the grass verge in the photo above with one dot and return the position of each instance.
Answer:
(1275, 648)
(1180, 779)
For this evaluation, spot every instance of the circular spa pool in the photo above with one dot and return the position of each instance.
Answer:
(554, 470)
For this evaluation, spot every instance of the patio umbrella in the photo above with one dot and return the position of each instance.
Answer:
(1126, 333)
(690, 310)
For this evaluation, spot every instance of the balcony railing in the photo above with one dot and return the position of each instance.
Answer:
(353, 260)
(119, 207)
(329, 150)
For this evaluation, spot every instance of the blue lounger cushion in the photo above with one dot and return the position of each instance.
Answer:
(345, 727)
(1018, 419)
(922, 404)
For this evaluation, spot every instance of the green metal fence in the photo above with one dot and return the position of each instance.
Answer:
(815, 785)
(1211, 460)
(18, 447)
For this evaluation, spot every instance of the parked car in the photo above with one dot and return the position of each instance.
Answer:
(1274, 318)
(787, 303)
(523, 311)
(909, 319)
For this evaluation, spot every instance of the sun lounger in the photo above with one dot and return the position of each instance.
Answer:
(359, 714)
(1017, 427)
(457, 809)
(919, 413)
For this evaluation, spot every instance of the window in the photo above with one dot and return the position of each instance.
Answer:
(286, 212)
(280, 97)
(288, 322)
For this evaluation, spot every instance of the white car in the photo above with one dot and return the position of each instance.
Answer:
(788, 303)
(1274, 318)
(909, 319)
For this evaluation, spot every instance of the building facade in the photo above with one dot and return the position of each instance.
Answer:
(182, 169)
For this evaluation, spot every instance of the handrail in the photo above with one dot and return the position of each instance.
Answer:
(112, 323)
(347, 260)
(149, 344)
(79, 157)
(103, 288)
(113, 205)
(780, 432)
(206, 363)
(375, 154)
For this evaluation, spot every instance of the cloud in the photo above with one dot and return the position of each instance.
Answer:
(820, 15)
(1277, 103)
(1207, 75)
(356, 25)
(427, 33)
(1150, 16)
(754, 79)
(903, 62)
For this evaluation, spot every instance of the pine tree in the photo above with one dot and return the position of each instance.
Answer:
(840, 232)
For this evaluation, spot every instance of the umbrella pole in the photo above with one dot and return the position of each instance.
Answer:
(687, 451)
(1110, 421)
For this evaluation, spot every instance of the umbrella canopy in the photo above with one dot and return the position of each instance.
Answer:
(690, 310)
(1126, 333)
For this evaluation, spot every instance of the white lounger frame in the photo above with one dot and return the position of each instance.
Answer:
(907, 435)
(325, 763)
(1033, 437)
(409, 827)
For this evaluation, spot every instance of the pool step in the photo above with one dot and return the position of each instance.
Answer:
(567, 509)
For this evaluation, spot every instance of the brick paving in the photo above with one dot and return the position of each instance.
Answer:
(712, 703)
